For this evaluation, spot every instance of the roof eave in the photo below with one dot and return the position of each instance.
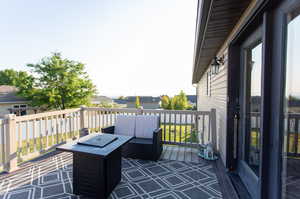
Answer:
(203, 12)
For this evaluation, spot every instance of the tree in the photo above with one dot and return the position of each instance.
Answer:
(15, 78)
(182, 101)
(137, 102)
(179, 102)
(61, 83)
(20, 79)
(165, 102)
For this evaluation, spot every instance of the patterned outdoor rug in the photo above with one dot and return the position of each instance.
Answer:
(165, 179)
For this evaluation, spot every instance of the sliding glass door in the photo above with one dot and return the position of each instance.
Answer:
(249, 146)
(291, 111)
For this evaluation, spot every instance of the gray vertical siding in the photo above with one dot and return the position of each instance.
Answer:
(218, 100)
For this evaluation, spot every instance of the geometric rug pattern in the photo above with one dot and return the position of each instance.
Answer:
(51, 178)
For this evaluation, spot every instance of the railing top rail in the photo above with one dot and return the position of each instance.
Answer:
(45, 114)
(176, 111)
(126, 110)
(132, 110)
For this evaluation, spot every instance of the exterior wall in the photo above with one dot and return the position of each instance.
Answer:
(4, 109)
(218, 88)
(216, 97)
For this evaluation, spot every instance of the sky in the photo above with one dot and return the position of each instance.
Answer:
(130, 47)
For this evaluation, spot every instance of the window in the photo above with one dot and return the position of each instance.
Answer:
(208, 84)
(20, 109)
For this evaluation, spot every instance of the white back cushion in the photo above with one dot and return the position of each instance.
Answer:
(125, 125)
(145, 125)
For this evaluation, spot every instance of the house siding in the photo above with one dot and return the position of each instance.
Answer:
(216, 98)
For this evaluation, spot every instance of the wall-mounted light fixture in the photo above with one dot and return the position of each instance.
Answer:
(215, 65)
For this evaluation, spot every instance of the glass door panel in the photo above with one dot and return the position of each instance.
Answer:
(253, 95)
(291, 112)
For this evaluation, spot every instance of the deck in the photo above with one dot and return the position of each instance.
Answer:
(179, 174)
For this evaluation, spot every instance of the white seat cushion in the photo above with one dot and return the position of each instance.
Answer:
(145, 125)
(125, 125)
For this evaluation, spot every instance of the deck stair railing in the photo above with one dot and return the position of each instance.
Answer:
(25, 137)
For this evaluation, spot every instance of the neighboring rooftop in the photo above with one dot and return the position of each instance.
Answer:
(8, 94)
(4, 89)
(101, 99)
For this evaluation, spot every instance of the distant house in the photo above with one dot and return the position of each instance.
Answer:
(101, 100)
(10, 102)
(147, 102)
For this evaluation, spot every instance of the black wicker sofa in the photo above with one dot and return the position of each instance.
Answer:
(147, 141)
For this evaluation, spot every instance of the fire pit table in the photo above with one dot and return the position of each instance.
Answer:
(96, 163)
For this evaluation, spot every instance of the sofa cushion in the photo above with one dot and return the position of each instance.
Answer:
(145, 125)
(125, 125)
(141, 141)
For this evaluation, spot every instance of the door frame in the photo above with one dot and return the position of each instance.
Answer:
(247, 175)
(273, 17)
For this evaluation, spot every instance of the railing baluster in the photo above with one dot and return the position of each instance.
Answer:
(65, 126)
(46, 131)
(95, 121)
(170, 115)
(196, 128)
(20, 136)
(175, 127)
(203, 129)
(165, 132)
(34, 135)
(288, 134)
(61, 127)
(185, 128)
(40, 134)
(296, 136)
(27, 137)
(111, 118)
(257, 129)
(180, 127)
(107, 118)
(57, 129)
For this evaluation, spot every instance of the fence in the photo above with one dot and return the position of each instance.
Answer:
(179, 127)
(25, 137)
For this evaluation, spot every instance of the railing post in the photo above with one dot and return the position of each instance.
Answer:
(213, 126)
(82, 117)
(11, 160)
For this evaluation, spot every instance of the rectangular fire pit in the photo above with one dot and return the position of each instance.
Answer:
(96, 163)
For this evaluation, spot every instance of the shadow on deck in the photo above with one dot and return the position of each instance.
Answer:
(179, 174)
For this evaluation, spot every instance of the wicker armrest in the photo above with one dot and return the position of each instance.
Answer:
(110, 130)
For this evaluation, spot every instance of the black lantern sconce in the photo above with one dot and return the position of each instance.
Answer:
(215, 65)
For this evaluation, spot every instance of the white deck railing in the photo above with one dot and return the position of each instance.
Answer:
(25, 137)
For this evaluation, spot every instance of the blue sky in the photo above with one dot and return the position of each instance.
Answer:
(130, 47)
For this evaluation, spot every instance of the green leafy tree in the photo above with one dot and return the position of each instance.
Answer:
(137, 102)
(165, 102)
(61, 83)
(20, 79)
